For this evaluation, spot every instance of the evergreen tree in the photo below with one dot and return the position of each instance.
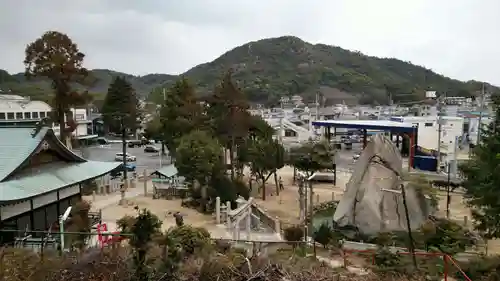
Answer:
(54, 56)
(227, 108)
(180, 114)
(121, 102)
(482, 179)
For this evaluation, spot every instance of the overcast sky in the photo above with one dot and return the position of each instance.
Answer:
(459, 38)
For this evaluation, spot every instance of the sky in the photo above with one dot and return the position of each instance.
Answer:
(458, 38)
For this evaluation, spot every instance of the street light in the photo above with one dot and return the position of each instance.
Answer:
(63, 218)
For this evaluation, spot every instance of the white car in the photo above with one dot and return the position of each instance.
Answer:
(356, 156)
(119, 157)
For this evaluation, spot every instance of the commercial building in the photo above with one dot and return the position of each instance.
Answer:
(39, 179)
(21, 111)
(428, 131)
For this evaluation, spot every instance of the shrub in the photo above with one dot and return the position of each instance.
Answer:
(323, 235)
(293, 234)
(190, 238)
(482, 268)
(217, 268)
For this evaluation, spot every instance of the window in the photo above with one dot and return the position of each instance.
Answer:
(2, 115)
(429, 124)
(42, 114)
(19, 115)
(79, 117)
(10, 115)
(27, 115)
(34, 115)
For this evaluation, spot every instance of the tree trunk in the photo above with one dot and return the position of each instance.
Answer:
(62, 125)
(163, 148)
(231, 151)
(276, 183)
(263, 187)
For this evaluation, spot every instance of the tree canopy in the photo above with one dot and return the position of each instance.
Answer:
(56, 57)
(180, 114)
(482, 179)
(312, 157)
(121, 105)
(198, 157)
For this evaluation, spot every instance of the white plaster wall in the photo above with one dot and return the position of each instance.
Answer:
(45, 199)
(81, 130)
(12, 210)
(428, 135)
(70, 191)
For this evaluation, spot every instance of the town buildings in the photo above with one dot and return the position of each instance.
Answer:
(21, 111)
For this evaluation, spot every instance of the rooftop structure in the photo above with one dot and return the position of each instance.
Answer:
(408, 129)
(40, 178)
(385, 125)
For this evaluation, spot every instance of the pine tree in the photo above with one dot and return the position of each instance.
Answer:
(121, 102)
(482, 179)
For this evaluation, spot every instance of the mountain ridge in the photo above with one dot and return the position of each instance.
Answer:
(269, 68)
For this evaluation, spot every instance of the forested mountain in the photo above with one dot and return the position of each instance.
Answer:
(270, 68)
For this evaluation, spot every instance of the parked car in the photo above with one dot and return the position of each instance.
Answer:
(151, 149)
(356, 156)
(116, 173)
(134, 143)
(119, 157)
(102, 141)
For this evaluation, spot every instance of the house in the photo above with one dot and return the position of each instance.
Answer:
(39, 179)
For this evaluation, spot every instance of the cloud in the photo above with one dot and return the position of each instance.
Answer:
(456, 38)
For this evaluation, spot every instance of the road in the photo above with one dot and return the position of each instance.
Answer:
(106, 153)
(151, 161)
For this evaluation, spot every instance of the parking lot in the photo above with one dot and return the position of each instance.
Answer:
(149, 161)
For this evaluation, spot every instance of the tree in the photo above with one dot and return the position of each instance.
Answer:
(265, 156)
(154, 131)
(323, 235)
(482, 179)
(121, 101)
(312, 157)
(143, 228)
(180, 114)
(56, 57)
(198, 157)
(227, 108)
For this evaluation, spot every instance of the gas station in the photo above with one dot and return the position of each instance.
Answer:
(394, 128)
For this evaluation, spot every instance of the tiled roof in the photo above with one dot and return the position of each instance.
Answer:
(167, 171)
(17, 144)
(51, 177)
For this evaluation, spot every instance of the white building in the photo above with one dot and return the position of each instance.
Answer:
(428, 131)
(16, 110)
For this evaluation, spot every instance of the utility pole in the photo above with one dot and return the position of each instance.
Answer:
(440, 129)
(282, 115)
(479, 120)
(124, 148)
(124, 185)
(448, 196)
(317, 106)
(408, 225)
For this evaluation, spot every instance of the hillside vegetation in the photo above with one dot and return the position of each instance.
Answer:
(270, 68)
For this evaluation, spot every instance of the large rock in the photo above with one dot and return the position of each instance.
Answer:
(373, 201)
